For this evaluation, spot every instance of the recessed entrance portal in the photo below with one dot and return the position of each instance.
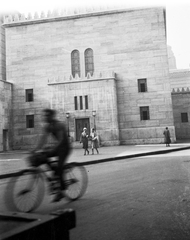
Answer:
(80, 124)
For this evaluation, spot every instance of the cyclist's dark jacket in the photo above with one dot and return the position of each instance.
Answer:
(54, 128)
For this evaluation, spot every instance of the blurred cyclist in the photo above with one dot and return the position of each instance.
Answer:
(61, 149)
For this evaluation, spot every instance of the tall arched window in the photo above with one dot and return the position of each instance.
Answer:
(89, 61)
(75, 62)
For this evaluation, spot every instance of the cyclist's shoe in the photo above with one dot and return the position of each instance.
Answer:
(58, 197)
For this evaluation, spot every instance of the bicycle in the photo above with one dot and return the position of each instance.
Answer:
(26, 189)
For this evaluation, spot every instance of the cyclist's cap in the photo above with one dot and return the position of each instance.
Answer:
(84, 129)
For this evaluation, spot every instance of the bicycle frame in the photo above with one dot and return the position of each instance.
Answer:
(18, 194)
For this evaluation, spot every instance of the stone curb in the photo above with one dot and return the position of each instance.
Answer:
(92, 162)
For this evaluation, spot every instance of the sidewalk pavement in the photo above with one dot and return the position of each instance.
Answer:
(9, 161)
(113, 153)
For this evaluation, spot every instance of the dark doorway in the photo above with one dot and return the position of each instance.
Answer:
(5, 140)
(80, 124)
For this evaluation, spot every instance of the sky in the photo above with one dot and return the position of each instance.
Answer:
(177, 17)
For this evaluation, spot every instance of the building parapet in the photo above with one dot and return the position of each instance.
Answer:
(18, 19)
(179, 73)
(180, 90)
(56, 15)
(89, 77)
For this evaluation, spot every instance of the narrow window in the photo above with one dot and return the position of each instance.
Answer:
(86, 102)
(29, 95)
(89, 61)
(81, 103)
(76, 103)
(144, 113)
(75, 63)
(142, 85)
(29, 121)
(184, 117)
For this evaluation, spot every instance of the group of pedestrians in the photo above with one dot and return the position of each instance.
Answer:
(93, 137)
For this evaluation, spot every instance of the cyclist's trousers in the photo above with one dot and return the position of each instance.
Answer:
(62, 155)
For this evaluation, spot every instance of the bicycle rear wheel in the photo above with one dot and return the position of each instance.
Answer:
(25, 191)
(76, 181)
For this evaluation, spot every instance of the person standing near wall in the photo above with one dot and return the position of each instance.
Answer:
(94, 139)
(84, 140)
(167, 139)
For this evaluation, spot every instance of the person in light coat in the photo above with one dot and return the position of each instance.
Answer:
(94, 139)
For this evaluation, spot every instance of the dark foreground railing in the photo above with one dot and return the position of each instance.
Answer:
(27, 226)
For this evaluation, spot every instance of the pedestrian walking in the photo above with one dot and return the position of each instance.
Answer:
(94, 139)
(84, 140)
(167, 139)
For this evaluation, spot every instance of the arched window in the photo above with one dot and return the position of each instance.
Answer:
(89, 61)
(75, 62)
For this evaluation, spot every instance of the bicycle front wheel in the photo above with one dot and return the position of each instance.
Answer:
(25, 191)
(76, 181)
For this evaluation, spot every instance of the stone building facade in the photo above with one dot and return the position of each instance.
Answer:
(180, 85)
(171, 59)
(5, 115)
(5, 97)
(2, 51)
(112, 62)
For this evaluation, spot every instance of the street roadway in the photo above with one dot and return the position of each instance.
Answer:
(145, 198)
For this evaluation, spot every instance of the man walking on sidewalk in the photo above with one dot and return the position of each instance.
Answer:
(167, 139)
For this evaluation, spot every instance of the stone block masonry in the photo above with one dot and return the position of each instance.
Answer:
(6, 131)
(101, 97)
(131, 43)
(2, 52)
(181, 105)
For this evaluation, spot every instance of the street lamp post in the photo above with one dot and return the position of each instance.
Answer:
(68, 115)
(94, 115)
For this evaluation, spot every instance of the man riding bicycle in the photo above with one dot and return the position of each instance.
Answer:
(61, 149)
